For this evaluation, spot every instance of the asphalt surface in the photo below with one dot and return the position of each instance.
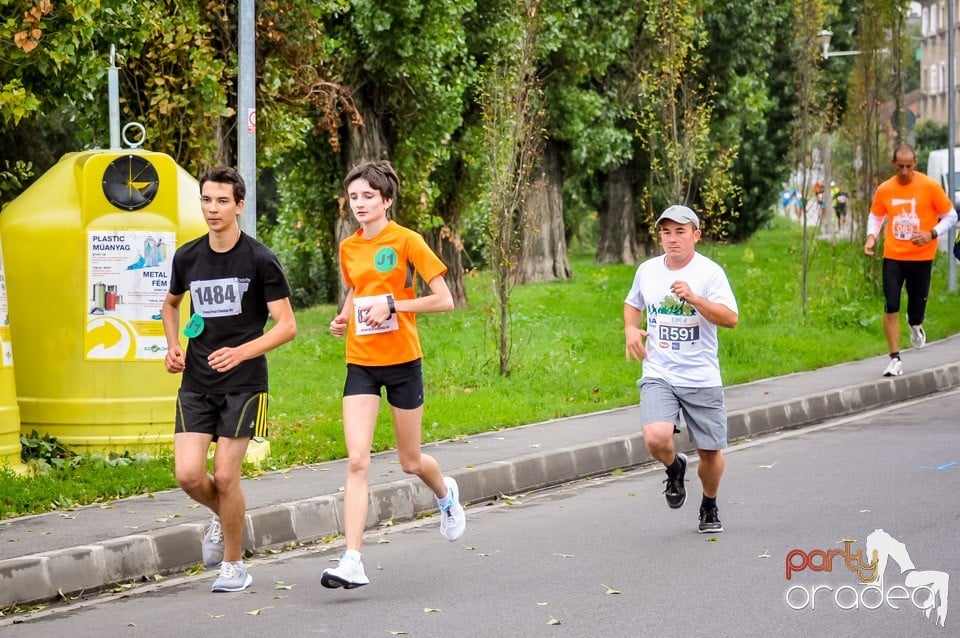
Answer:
(606, 557)
(44, 557)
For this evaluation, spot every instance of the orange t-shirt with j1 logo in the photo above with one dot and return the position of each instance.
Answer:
(386, 264)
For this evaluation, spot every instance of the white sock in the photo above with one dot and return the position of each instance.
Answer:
(352, 554)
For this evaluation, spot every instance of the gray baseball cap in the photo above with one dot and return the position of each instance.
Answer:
(679, 214)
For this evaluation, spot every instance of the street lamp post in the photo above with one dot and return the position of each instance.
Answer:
(824, 39)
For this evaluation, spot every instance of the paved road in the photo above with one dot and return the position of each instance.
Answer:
(564, 553)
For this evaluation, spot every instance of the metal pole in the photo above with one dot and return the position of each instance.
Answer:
(247, 116)
(951, 141)
(113, 99)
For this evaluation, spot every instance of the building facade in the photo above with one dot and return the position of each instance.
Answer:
(934, 53)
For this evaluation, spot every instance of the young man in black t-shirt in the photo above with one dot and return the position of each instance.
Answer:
(234, 283)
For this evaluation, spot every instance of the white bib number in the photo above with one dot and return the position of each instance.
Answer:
(361, 306)
(679, 332)
(216, 297)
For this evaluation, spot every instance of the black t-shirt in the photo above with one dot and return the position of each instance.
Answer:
(230, 291)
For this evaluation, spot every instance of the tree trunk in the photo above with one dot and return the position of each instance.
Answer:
(617, 242)
(544, 251)
(445, 241)
(362, 143)
(226, 142)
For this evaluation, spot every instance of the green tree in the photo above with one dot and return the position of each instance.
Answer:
(675, 112)
(929, 136)
(748, 66)
(807, 18)
(510, 102)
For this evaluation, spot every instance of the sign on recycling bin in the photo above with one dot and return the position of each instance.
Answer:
(128, 274)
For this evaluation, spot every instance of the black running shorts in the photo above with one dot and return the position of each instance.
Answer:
(233, 415)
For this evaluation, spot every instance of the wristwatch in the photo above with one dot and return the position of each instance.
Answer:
(933, 233)
(391, 305)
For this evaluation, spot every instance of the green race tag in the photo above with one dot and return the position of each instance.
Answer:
(194, 326)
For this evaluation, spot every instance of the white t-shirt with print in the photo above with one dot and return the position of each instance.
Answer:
(681, 345)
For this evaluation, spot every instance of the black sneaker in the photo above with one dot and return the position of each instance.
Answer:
(710, 521)
(675, 492)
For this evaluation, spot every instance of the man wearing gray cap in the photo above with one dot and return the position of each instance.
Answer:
(685, 296)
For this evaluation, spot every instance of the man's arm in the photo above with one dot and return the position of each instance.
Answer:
(170, 314)
(716, 313)
(633, 334)
(284, 329)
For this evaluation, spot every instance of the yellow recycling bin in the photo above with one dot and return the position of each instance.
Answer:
(9, 413)
(88, 250)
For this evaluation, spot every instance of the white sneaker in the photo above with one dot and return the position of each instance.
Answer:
(453, 520)
(212, 547)
(894, 368)
(918, 338)
(233, 577)
(347, 574)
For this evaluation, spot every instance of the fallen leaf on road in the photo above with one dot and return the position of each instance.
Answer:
(767, 467)
(712, 539)
(279, 584)
(429, 610)
(490, 554)
(399, 633)
(864, 511)
(467, 547)
(216, 615)
(563, 555)
(765, 554)
(71, 516)
(257, 612)
(554, 621)
(610, 591)
(107, 506)
(543, 604)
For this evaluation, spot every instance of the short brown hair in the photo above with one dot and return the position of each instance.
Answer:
(379, 174)
(226, 175)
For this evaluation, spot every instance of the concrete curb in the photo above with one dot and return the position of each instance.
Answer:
(45, 576)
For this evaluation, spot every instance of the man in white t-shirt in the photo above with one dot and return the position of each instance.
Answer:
(685, 297)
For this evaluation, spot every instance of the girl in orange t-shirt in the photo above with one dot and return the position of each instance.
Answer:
(379, 263)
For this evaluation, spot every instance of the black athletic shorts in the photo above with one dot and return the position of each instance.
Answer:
(233, 415)
(403, 381)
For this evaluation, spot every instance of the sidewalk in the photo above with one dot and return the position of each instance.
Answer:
(133, 539)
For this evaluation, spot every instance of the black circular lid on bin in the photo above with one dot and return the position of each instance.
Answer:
(130, 182)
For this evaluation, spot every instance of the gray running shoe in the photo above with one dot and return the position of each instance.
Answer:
(233, 577)
(212, 547)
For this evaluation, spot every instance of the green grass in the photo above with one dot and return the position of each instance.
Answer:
(567, 358)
